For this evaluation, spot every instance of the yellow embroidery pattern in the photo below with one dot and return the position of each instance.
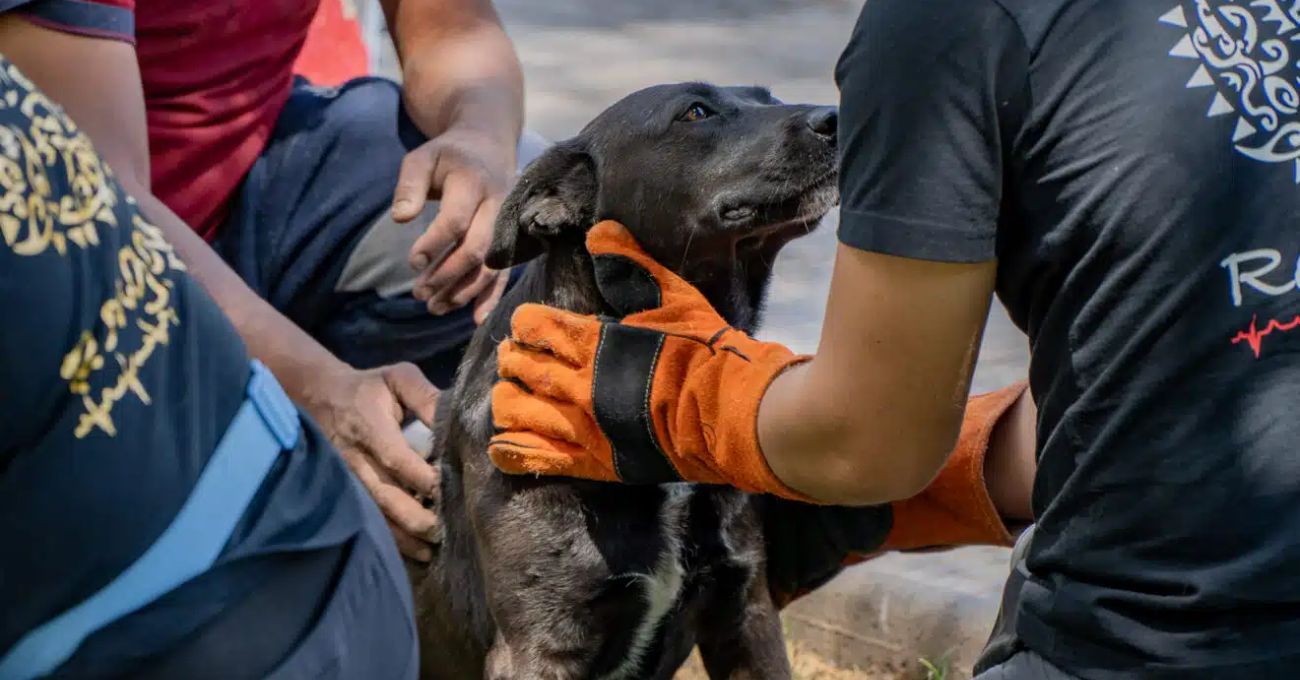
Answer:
(32, 218)
(48, 151)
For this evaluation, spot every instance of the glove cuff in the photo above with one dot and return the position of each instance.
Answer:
(764, 480)
(716, 434)
(955, 509)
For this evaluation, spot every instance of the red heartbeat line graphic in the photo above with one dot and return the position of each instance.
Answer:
(1255, 336)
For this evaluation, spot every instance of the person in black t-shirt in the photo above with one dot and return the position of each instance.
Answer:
(165, 512)
(1126, 177)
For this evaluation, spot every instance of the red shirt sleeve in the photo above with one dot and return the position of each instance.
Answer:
(111, 19)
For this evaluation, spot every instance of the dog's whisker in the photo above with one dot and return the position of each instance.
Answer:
(686, 251)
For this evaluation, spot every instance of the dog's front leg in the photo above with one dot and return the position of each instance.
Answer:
(745, 642)
(500, 664)
(541, 570)
(519, 662)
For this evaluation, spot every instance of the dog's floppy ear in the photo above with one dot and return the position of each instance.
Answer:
(557, 192)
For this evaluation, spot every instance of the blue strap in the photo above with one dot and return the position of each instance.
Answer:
(266, 424)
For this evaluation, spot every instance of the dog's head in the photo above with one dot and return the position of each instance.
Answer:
(711, 181)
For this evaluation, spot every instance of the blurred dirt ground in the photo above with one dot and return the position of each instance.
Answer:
(809, 665)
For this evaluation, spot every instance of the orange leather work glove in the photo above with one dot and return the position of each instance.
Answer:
(667, 392)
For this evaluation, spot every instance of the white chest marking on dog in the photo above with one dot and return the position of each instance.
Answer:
(664, 585)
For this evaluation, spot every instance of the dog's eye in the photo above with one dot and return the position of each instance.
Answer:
(696, 112)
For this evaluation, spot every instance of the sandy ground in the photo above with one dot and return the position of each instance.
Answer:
(810, 666)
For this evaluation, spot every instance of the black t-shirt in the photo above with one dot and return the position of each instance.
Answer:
(118, 376)
(1132, 166)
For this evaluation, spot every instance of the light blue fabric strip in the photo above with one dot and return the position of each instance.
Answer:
(266, 424)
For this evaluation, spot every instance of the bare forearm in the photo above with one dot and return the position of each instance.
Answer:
(874, 415)
(292, 355)
(458, 68)
(1003, 437)
(819, 447)
(491, 103)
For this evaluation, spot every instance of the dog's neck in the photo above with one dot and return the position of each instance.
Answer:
(735, 283)
(567, 280)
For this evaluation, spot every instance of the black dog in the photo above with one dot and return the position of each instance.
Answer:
(559, 578)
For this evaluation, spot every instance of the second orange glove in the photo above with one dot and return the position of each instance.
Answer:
(667, 392)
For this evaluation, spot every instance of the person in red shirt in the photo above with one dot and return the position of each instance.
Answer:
(307, 212)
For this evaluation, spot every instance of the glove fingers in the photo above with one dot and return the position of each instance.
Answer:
(570, 337)
(528, 453)
(518, 453)
(543, 374)
(513, 408)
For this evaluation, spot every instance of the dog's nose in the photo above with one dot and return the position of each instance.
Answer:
(823, 121)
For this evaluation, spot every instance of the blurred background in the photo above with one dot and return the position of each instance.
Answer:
(579, 56)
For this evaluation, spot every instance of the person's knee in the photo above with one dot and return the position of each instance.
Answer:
(367, 122)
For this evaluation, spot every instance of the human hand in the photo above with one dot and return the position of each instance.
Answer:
(361, 413)
(469, 172)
